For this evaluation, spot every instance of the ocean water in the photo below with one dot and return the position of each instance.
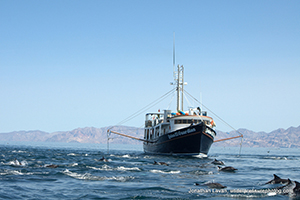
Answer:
(131, 174)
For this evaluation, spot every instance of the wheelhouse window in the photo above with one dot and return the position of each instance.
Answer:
(186, 121)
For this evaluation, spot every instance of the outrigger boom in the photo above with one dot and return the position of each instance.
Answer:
(109, 131)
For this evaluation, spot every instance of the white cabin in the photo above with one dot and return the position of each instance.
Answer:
(158, 124)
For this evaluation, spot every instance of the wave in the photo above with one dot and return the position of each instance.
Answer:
(19, 172)
(120, 168)
(199, 172)
(19, 151)
(88, 176)
(165, 172)
(124, 156)
(103, 168)
(16, 163)
(73, 164)
(276, 158)
(73, 154)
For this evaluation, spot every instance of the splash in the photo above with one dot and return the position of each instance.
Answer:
(165, 172)
(88, 176)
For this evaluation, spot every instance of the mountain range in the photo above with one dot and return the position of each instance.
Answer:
(287, 138)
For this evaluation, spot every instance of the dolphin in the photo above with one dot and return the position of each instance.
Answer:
(217, 162)
(51, 166)
(103, 159)
(291, 188)
(288, 189)
(297, 187)
(16, 162)
(226, 169)
(289, 185)
(160, 163)
(213, 185)
(277, 180)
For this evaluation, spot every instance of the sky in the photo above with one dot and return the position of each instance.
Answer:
(70, 64)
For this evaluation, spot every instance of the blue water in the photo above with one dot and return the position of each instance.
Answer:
(130, 174)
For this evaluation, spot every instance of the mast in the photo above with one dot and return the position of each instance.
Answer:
(182, 84)
(178, 79)
(179, 87)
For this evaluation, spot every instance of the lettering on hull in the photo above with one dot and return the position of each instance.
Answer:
(180, 133)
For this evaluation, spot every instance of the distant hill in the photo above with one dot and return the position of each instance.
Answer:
(277, 138)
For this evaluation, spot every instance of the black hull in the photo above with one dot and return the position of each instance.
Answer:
(193, 140)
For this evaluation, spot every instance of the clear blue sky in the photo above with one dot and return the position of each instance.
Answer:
(69, 64)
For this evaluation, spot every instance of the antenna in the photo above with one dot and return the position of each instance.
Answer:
(174, 73)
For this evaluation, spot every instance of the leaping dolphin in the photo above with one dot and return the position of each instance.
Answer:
(291, 188)
(213, 185)
(51, 166)
(297, 187)
(160, 163)
(227, 169)
(277, 180)
(103, 159)
(217, 162)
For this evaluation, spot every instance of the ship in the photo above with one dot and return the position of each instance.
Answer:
(181, 133)
(178, 133)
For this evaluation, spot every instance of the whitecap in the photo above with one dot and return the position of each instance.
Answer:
(121, 168)
(120, 178)
(71, 154)
(200, 156)
(148, 157)
(15, 151)
(74, 164)
(76, 175)
(18, 172)
(104, 168)
(87, 176)
(165, 172)
(15, 172)
(276, 158)
(199, 172)
(16, 163)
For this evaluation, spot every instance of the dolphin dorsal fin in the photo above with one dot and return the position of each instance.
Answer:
(276, 177)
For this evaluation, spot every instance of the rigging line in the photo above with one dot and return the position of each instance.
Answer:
(189, 103)
(241, 146)
(142, 109)
(214, 113)
(171, 101)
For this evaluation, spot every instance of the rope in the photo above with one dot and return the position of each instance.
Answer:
(187, 100)
(142, 110)
(171, 101)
